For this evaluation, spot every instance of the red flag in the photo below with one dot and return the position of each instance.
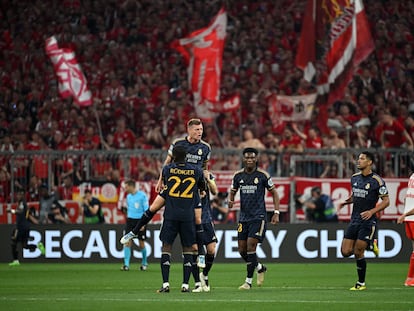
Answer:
(203, 53)
(335, 39)
(72, 81)
(228, 105)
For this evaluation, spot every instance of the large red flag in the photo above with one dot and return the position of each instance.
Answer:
(72, 81)
(203, 53)
(335, 39)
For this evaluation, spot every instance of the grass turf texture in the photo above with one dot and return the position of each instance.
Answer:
(287, 287)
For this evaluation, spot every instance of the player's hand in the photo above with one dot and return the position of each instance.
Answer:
(159, 186)
(400, 219)
(340, 206)
(275, 219)
(366, 214)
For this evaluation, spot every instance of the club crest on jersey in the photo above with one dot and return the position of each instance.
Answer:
(200, 152)
(367, 186)
(256, 180)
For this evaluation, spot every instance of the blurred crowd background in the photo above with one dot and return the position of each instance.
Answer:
(141, 83)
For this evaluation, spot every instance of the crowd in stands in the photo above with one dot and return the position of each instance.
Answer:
(140, 84)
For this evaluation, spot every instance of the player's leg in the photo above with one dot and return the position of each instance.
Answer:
(168, 233)
(142, 235)
(23, 236)
(130, 224)
(188, 240)
(373, 242)
(165, 267)
(127, 256)
(348, 242)
(361, 264)
(14, 251)
(210, 255)
(242, 237)
(195, 269)
(257, 230)
(347, 247)
(365, 233)
(409, 231)
(410, 275)
(198, 253)
(211, 242)
(242, 240)
(201, 262)
(156, 205)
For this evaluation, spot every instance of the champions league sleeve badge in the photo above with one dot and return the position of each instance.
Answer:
(383, 190)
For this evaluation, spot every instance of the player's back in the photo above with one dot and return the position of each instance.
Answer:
(181, 192)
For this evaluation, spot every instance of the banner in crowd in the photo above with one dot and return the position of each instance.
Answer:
(202, 51)
(337, 189)
(290, 108)
(71, 80)
(335, 39)
(340, 189)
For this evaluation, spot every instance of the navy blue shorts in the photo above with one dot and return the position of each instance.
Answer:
(209, 235)
(361, 231)
(251, 229)
(171, 228)
(130, 224)
(20, 235)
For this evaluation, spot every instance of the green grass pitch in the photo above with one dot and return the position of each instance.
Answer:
(296, 287)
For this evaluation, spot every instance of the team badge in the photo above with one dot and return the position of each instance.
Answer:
(367, 186)
(256, 180)
(200, 152)
(383, 190)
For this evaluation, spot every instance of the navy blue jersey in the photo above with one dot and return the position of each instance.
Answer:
(252, 188)
(197, 153)
(22, 215)
(366, 190)
(181, 191)
(206, 207)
